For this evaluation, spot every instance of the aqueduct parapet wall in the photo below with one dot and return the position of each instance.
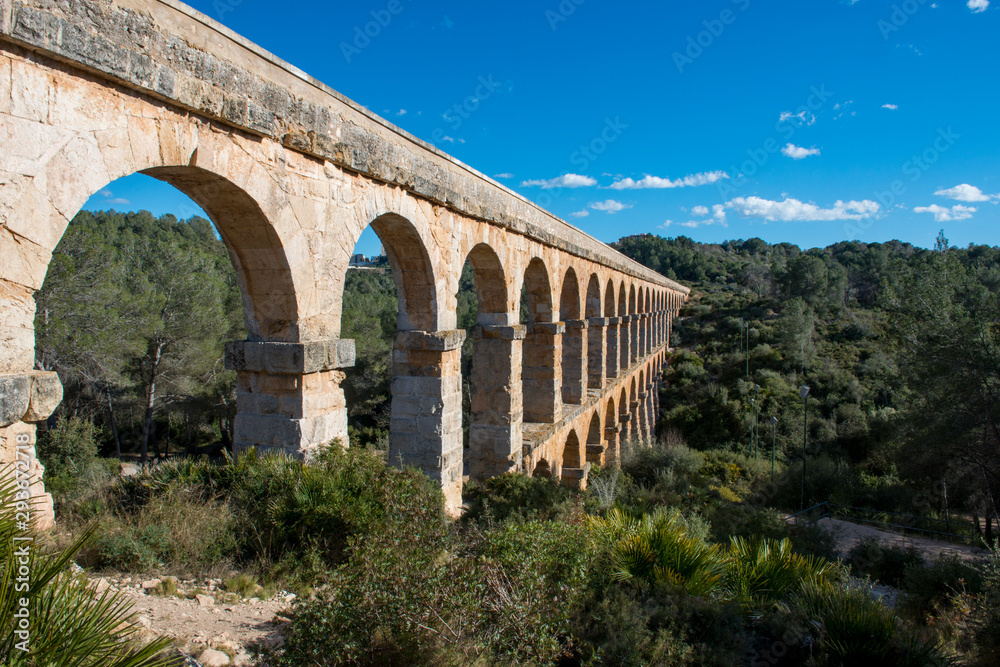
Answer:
(291, 173)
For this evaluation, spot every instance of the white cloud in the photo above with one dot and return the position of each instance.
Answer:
(452, 140)
(890, 107)
(504, 175)
(978, 6)
(111, 199)
(803, 117)
(718, 218)
(564, 181)
(798, 152)
(657, 183)
(945, 214)
(967, 193)
(580, 214)
(401, 112)
(609, 206)
(793, 210)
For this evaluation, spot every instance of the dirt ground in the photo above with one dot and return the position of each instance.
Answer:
(200, 624)
(849, 534)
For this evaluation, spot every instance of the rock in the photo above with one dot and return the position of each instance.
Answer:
(212, 658)
(144, 622)
(204, 600)
(151, 584)
(289, 597)
(46, 394)
(101, 585)
(15, 397)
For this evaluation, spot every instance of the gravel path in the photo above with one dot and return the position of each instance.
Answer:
(849, 534)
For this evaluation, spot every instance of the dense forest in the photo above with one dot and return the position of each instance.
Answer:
(682, 555)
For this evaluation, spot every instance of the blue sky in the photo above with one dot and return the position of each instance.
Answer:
(808, 122)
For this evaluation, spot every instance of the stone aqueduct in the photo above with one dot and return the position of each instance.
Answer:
(291, 173)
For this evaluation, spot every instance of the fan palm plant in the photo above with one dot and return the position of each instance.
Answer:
(69, 625)
(762, 572)
(656, 548)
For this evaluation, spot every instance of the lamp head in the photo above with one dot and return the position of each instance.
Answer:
(804, 391)
(774, 420)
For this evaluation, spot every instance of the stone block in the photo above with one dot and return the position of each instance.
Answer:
(436, 341)
(549, 328)
(5, 84)
(15, 398)
(46, 395)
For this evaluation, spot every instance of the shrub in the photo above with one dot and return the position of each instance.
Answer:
(928, 586)
(516, 496)
(761, 572)
(883, 562)
(646, 465)
(66, 451)
(69, 624)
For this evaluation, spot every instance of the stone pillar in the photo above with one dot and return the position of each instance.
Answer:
(25, 399)
(613, 436)
(288, 395)
(597, 454)
(575, 478)
(642, 417)
(614, 356)
(627, 425)
(634, 331)
(651, 409)
(542, 375)
(596, 351)
(642, 333)
(670, 327)
(495, 433)
(574, 366)
(425, 429)
(624, 344)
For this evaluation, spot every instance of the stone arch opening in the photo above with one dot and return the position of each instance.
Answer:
(571, 451)
(597, 331)
(491, 367)
(624, 336)
(625, 419)
(611, 429)
(612, 357)
(411, 270)
(641, 410)
(541, 377)
(573, 473)
(542, 469)
(633, 327)
(595, 440)
(574, 341)
(642, 322)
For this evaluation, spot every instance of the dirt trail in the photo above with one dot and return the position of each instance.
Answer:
(200, 624)
(849, 534)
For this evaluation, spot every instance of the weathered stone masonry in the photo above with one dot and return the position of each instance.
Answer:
(291, 173)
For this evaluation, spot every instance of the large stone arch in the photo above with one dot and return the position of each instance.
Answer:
(595, 440)
(496, 415)
(597, 329)
(624, 331)
(574, 342)
(573, 470)
(541, 379)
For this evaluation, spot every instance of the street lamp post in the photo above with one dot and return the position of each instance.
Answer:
(756, 424)
(753, 411)
(804, 395)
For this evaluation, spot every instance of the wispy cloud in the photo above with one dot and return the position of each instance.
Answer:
(609, 206)
(452, 140)
(978, 6)
(401, 112)
(580, 214)
(504, 175)
(564, 181)
(890, 107)
(718, 218)
(967, 193)
(110, 198)
(803, 117)
(656, 183)
(798, 152)
(945, 214)
(793, 210)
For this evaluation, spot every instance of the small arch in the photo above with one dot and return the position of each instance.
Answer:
(538, 289)
(574, 367)
(541, 385)
(542, 469)
(593, 296)
(411, 271)
(569, 301)
(609, 299)
(595, 440)
(491, 284)
(571, 452)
